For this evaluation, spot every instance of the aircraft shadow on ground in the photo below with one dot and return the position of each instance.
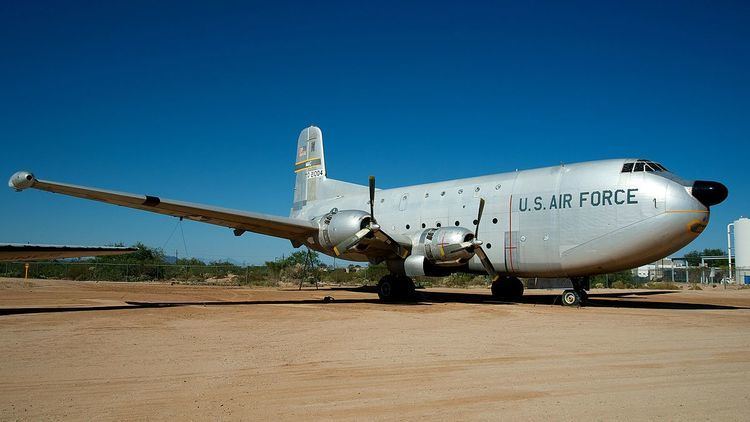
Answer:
(424, 298)
(132, 305)
(602, 300)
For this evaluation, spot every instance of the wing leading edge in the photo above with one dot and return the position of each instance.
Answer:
(284, 227)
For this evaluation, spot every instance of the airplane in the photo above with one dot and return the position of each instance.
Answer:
(566, 221)
(33, 252)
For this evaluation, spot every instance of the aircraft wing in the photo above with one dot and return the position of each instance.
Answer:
(21, 252)
(284, 227)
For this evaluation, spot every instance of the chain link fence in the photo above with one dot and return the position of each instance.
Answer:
(90, 271)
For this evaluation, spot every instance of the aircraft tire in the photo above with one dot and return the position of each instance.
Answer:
(409, 291)
(507, 288)
(583, 295)
(387, 290)
(571, 298)
(393, 288)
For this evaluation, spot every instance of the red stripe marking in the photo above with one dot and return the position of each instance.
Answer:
(510, 232)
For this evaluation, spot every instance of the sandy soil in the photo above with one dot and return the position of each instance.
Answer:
(73, 350)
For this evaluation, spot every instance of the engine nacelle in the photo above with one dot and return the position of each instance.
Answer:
(336, 226)
(446, 246)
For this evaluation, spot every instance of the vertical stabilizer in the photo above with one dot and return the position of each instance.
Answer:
(309, 167)
(311, 182)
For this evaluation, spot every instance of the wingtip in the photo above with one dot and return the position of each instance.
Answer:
(21, 180)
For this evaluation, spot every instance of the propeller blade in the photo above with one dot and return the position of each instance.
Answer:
(479, 217)
(486, 263)
(372, 198)
(351, 241)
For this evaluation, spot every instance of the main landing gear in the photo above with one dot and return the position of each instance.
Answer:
(577, 295)
(507, 288)
(396, 288)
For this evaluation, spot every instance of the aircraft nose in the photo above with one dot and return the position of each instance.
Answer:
(709, 193)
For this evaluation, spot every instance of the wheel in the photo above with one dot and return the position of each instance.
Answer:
(395, 288)
(507, 288)
(409, 291)
(583, 295)
(386, 289)
(516, 288)
(571, 298)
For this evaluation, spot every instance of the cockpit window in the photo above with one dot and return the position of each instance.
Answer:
(642, 165)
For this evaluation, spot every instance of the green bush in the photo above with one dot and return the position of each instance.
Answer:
(661, 285)
(619, 284)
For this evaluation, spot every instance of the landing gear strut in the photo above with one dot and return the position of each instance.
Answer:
(394, 288)
(578, 295)
(507, 288)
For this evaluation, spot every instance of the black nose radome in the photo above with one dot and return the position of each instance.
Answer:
(709, 193)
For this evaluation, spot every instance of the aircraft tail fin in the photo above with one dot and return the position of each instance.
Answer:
(311, 181)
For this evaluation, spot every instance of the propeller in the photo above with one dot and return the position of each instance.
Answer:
(372, 228)
(476, 246)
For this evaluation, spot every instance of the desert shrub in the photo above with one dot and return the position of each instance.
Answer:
(619, 284)
(662, 285)
(457, 280)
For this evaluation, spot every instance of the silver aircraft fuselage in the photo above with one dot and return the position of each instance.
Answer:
(562, 221)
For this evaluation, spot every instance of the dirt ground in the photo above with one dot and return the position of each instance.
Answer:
(84, 350)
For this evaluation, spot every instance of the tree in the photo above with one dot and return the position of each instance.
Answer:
(144, 255)
(295, 259)
(694, 257)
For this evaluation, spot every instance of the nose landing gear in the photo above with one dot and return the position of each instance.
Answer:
(577, 296)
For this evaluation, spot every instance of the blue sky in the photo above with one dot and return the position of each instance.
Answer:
(203, 101)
